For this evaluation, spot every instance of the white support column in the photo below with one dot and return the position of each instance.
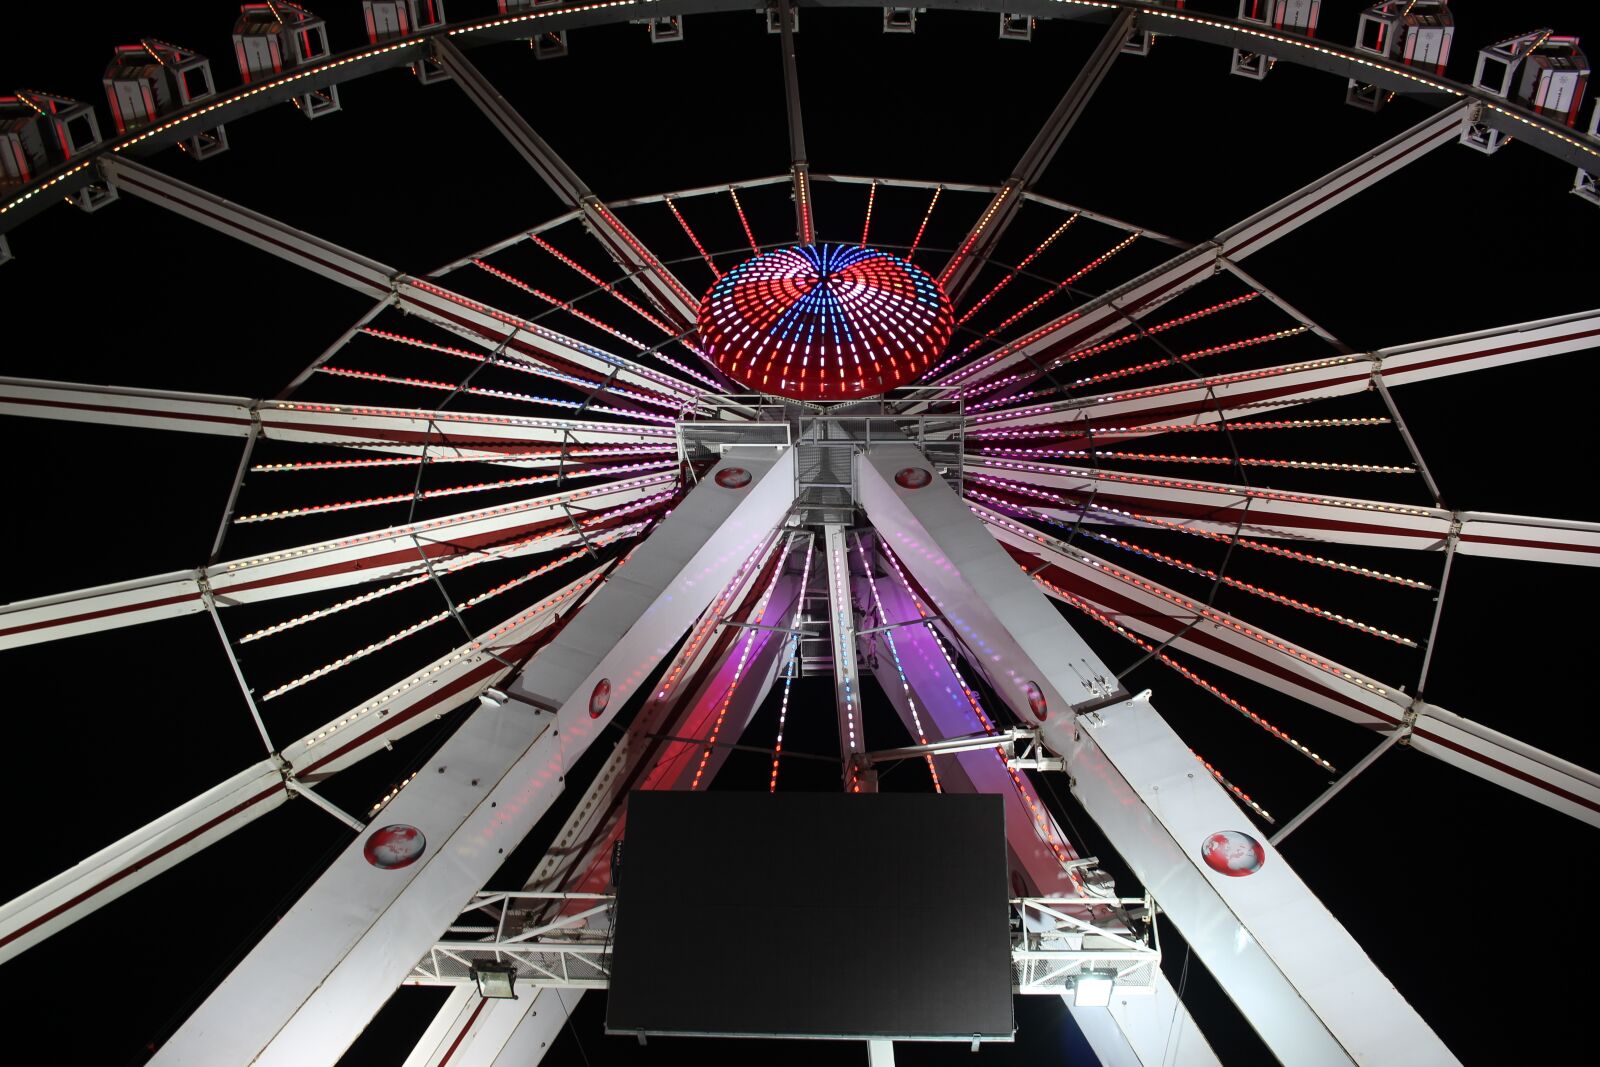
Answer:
(991, 605)
(313, 983)
(1299, 978)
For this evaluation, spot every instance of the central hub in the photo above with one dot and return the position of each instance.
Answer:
(825, 322)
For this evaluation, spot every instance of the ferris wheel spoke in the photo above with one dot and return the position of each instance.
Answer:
(438, 434)
(397, 551)
(980, 243)
(669, 295)
(799, 168)
(391, 714)
(1245, 393)
(486, 325)
(1097, 318)
(1156, 612)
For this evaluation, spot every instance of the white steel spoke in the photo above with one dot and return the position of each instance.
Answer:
(664, 290)
(485, 324)
(985, 235)
(1225, 396)
(408, 705)
(542, 441)
(1217, 508)
(1098, 317)
(395, 552)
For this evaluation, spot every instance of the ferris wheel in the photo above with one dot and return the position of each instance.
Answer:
(613, 498)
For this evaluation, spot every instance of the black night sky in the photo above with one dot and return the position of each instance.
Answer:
(1468, 897)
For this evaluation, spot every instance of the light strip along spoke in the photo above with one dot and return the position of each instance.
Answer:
(672, 204)
(598, 540)
(1210, 461)
(751, 237)
(478, 390)
(1256, 546)
(634, 306)
(744, 660)
(894, 654)
(418, 627)
(1100, 617)
(1192, 568)
(911, 253)
(579, 471)
(1092, 432)
(1033, 373)
(1031, 306)
(536, 369)
(866, 226)
(792, 662)
(1189, 357)
(1044, 824)
(1018, 269)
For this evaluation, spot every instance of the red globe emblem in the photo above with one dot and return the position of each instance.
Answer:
(1233, 853)
(394, 846)
(912, 477)
(825, 322)
(1036, 701)
(600, 698)
(733, 477)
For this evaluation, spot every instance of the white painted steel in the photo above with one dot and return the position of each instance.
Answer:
(381, 429)
(138, 857)
(1157, 612)
(309, 988)
(989, 602)
(1303, 983)
(485, 324)
(596, 822)
(408, 705)
(1519, 767)
(389, 553)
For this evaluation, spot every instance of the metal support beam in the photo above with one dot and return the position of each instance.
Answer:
(1394, 737)
(300, 789)
(664, 290)
(358, 931)
(1297, 975)
(1161, 614)
(799, 168)
(980, 242)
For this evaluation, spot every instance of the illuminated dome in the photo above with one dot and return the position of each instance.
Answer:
(825, 322)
